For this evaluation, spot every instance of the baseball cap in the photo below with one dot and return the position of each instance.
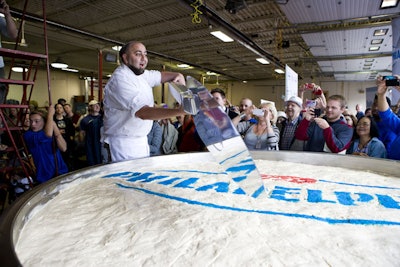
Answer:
(93, 102)
(282, 114)
(295, 99)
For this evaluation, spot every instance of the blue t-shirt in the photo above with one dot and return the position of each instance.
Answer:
(389, 133)
(41, 148)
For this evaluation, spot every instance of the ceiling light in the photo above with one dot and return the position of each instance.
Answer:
(380, 32)
(70, 70)
(211, 73)
(279, 71)
(59, 64)
(184, 66)
(389, 3)
(222, 36)
(367, 64)
(116, 47)
(262, 60)
(374, 48)
(369, 60)
(376, 41)
(19, 69)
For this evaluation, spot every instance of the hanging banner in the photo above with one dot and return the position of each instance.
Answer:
(291, 83)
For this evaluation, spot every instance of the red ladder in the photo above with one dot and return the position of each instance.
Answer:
(14, 129)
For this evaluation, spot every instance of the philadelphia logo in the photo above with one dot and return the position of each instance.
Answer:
(333, 202)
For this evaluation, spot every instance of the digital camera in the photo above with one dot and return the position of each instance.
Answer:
(391, 81)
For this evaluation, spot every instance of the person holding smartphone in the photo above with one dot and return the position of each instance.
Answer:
(329, 133)
(388, 123)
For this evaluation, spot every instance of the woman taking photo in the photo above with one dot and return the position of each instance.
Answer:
(263, 135)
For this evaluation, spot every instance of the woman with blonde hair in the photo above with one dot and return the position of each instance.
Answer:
(263, 135)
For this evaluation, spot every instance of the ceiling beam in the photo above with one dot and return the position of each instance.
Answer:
(347, 57)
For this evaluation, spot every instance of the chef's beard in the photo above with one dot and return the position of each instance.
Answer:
(136, 70)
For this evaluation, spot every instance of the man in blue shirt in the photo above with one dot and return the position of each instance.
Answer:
(388, 122)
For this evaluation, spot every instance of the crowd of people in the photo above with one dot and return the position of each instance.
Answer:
(128, 124)
(57, 139)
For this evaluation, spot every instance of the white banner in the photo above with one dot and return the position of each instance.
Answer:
(291, 83)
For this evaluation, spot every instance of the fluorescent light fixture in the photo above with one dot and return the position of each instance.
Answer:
(184, 66)
(19, 69)
(380, 32)
(367, 64)
(70, 70)
(369, 60)
(374, 48)
(116, 47)
(279, 71)
(376, 41)
(262, 60)
(59, 64)
(222, 36)
(389, 3)
(211, 73)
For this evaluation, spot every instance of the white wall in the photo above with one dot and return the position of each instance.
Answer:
(63, 84)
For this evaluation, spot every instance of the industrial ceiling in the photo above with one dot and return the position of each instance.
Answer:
(316, 38)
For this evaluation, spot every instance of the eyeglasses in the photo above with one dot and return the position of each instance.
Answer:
(364, 124)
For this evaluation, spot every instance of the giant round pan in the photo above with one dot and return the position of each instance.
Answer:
(14, 218)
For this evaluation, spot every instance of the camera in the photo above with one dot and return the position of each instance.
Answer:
(391, 80)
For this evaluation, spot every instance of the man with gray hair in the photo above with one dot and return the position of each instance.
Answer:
(288, 127)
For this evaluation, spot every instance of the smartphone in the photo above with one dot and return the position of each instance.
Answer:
(311, 103)
(391, 80)
(258, 112)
